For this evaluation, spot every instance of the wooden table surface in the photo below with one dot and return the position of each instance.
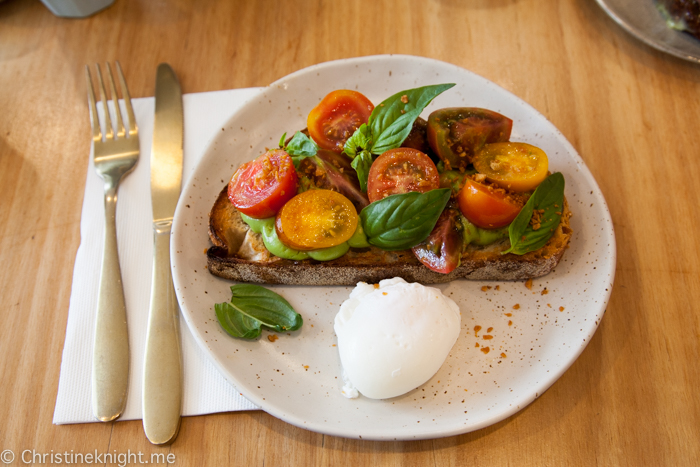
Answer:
(631, 112)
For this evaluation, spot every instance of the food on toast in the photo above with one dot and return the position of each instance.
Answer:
(369, 193)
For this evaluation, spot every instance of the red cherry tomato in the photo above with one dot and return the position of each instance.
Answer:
(401, 170)
(336, 118)
(455, 134)
(442, 250)
(485, 206)
(261, 187)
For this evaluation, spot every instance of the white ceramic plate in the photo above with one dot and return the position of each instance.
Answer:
(297, 377)
(641, 19)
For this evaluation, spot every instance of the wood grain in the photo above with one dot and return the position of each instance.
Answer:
(630, 111)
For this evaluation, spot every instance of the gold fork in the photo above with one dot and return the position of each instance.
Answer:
(116, 155)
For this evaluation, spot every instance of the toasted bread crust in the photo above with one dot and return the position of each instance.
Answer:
(229, 235)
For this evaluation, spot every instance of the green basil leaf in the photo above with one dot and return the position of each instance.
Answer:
(391, 121)
(399, 222)
(299, 147)
(253, 307)
(359, 141)
(236, 323)
(362, 164)
(395, 134)
(548, 198)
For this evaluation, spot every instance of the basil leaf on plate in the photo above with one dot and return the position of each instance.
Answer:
(402, 221)
(548, 200)
(253, 307)
(236, 323)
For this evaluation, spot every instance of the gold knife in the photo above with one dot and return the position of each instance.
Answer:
(162, 379)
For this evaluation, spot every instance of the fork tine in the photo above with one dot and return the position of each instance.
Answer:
(96, 130)
(133, 129)
(109, 130)
(115, 100)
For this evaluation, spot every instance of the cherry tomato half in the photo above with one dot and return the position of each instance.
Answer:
(514, 166)
(316, 219)
(485, 206)
(261, 187)
(401, 170)
(442, 250)
(336, 118)
(455, 134)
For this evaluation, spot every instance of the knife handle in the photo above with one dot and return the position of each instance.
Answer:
(162, 379)
(110, 362)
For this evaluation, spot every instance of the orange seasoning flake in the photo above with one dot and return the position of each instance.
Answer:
(528, 284)
(272, 337)
(485, 350)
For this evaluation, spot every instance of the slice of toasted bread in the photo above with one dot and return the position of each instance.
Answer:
(239, 254)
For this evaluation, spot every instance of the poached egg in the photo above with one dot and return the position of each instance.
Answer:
(393, 337)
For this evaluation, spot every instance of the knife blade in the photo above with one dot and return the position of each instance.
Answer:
(162, 378)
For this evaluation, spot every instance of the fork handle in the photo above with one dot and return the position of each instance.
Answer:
(162, 376)
(110, 366)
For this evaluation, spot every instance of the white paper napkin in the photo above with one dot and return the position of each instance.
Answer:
(205, 390)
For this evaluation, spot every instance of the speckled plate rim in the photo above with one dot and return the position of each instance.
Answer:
(642, 20)
(588, 319)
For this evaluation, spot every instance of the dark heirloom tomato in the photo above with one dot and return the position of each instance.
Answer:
(336, 118)
(442, 250)
(455, 134)
(261, 187)
(485, 206)
(401, 170)
(332, 171)
(418, 138)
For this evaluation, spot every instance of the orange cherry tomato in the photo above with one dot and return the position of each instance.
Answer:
(316, 219)
(513, 166)
(401, 170)
(336, 118)
(261, 187)
(485, 206)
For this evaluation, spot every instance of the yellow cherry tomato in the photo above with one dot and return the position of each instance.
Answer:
(514, 166)
(316, 219)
